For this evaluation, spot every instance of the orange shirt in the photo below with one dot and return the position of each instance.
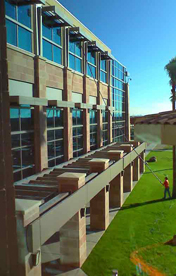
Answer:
(166, 184)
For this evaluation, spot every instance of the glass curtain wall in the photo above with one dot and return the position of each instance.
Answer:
(55, 136)
(52, 46)
(103, 71)
(91, 64)
(105, 127)
(93, 129)
(19, 27)
(118, 101)
(22, 136)
(77, 120)
(75, 56)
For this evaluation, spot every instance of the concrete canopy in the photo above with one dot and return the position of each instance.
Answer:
(156, 128)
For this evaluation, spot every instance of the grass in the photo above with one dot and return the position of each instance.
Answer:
(144, 220)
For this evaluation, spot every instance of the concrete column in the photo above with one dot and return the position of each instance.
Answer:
(26, 212)
(73, 233)
(67, 96)
(99, 205)
(8, 235)
(142, 164)
(116, 185)
(40, 119)
(128, 178)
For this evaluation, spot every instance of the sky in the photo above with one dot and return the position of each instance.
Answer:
(142, 36)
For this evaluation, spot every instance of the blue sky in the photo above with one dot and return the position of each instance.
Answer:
(142, 36)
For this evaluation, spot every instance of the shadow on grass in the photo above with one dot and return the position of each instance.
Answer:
(144, 203)
(159, 171)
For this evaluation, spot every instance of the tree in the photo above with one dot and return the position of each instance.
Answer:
(171, 70)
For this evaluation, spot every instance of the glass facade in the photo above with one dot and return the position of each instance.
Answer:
(77, 120)
(93, 129)
(22, 136)
(91, 64)
(118, 100)
(55, 136)
(105, 127)
(75, 56)
(103, 71)
(52, 48)
(18, 24)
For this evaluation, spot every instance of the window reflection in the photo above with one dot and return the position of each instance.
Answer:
(77, 118)
(93, 129)
(55, 136)
(75, 59)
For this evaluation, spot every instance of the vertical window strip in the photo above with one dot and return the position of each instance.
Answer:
(18, 24)
(52, 48)
(55, 136)
(105, 127)
(75, 56)
(91, 64)
(103, 71)
(22, 136)
(77, 118)
(93, 129)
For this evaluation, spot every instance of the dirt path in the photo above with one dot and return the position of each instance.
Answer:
(138, 260)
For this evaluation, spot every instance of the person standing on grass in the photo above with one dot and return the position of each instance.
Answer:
(166, 185)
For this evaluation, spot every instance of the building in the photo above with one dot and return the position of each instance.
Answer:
(62, 95)
(77, 82)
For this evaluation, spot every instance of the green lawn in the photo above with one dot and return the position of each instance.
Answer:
(144, 220)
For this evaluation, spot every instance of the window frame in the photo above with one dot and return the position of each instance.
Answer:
(75, 57)
(105, 127)
(94, 146)
(90, 65)
(103, 71)
(52, 43)
(76, 126)
(18, 24)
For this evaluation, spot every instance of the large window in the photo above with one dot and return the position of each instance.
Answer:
(52, 49)
(22, 135)
(55, 136)
(18, 23)
(103, 71)
(105, 127)
(77, 116)
(93, 129)
(91, 64)
(118, 101)
(75, 56)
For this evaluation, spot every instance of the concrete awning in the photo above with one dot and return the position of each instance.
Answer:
(159, 128)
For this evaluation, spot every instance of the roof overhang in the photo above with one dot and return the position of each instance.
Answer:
(78, 34)
(53, 17)
(156, 128)
(27, 2)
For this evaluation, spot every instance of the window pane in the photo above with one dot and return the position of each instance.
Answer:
(50, 119)
(27, 172)
(58, 117)
(27, 157)
(51, 150)
(10, 10)
(91, 71)
(46, 31)
(78, 65)
(11, 33)
(58, 134)
(72, 47)
(24, 15)
(24, 39)
(51, 163)
(16, 155)
(14, 119)
(72, 61)
(47, 50)
(26, 119)
(78, 49)
(27, 139)
(57, 35)
(15, 141)
(57, 54)
(50, 135)
(59, 148)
